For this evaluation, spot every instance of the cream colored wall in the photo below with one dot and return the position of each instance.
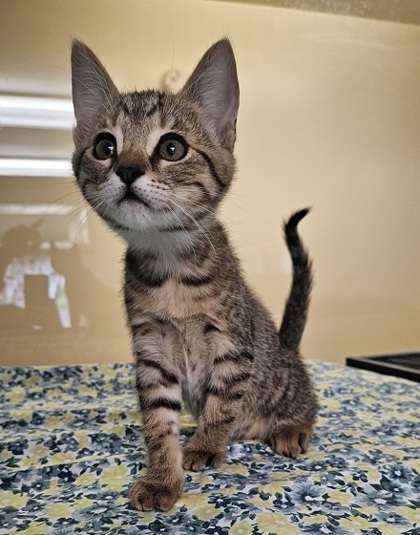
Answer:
(329, 118)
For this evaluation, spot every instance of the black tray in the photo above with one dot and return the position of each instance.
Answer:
(405, 365)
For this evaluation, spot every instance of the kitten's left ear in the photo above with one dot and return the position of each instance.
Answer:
(92, 88)
(214, 86)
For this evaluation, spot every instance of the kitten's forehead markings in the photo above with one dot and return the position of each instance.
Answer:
(154, 107)
(153, 139)
(118, 132)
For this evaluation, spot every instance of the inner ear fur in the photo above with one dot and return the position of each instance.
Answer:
(214, 87)
(92, 88)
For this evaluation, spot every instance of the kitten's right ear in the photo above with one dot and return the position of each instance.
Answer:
(92, 87)
(214, 86)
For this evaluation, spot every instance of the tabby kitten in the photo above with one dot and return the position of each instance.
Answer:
(155, 167)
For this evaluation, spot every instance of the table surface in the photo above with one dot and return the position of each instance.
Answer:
(71, 444)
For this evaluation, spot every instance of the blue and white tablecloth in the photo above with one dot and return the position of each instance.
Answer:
(71, 444)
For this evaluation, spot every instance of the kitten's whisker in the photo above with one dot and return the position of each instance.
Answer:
(82, 223)
(76, 193)
(172, 211)
(98, 207)
(89, 213)
(201, 207)
(194, 203)
(198, 205)
(77, 210)
(222, 196)
(197, 225)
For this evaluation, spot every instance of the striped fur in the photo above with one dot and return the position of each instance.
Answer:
(200, 336)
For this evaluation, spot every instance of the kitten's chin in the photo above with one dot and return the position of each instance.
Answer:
(127, 214)
(131, 200)
(135, 215)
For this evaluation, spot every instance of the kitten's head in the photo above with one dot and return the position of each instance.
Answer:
(149, 159)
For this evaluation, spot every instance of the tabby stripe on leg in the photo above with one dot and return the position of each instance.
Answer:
(156, 440)
(223, 421)
(224, 393)
(160, 403)
(209, 327)
(233, 357)
(244, 376)
(227, 383)
(142, 386)
(167, 376)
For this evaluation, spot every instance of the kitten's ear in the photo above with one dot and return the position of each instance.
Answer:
(214, 86)
(92, 87)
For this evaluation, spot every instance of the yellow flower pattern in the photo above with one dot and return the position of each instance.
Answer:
(58, 510)
(115, 478)
(244, 527)
(71, 445)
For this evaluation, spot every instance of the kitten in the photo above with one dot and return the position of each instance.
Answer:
(156, 166)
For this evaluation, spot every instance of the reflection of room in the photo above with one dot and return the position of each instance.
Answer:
(44, 236)
(30, 252)
(33, 294)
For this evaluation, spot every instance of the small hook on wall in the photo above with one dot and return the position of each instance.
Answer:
(172, 81)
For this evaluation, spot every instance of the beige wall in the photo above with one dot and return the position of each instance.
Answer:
(329, 118)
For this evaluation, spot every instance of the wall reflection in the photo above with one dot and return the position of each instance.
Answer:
(33, 294)
(48, 290)
(329, 118)
(41, 284)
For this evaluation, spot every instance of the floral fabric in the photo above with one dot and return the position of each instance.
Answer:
(71, 444)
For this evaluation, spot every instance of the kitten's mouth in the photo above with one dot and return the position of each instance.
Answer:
(132, 197)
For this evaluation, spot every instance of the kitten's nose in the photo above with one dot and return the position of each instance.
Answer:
(129, 173)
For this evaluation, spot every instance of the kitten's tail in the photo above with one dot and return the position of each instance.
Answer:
(297, 304)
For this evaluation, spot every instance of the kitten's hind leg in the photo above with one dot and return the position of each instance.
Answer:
(227, 385)
(208, 445)
(291, 440)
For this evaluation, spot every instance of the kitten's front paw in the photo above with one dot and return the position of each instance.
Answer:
(198, 460)
(147, 495)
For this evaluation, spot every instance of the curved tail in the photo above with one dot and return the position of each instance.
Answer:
(297, 304)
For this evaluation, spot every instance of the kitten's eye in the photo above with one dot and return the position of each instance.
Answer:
(172, 148)
(105, 146)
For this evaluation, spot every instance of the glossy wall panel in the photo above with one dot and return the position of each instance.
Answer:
(329, 118)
